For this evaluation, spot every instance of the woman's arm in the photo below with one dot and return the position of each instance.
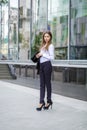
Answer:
(50, 54)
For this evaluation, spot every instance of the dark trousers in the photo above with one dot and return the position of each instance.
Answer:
(45, 81)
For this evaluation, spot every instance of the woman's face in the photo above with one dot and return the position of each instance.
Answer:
(47, 37)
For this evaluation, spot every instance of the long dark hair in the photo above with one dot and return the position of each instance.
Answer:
(43, 41)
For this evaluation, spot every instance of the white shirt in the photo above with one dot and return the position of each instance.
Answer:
(47, 55)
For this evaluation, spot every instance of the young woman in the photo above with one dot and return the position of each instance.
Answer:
(46, 54)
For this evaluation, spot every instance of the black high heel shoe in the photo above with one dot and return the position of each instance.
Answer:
(48, 106)
(40, 108)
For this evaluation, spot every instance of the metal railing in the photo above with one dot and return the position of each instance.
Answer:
(58, 63)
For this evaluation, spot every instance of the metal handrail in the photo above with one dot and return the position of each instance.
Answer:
(57, 63)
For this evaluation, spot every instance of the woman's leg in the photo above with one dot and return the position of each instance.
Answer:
(48, 71)
(42, 84)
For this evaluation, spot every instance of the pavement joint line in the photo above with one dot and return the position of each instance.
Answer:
(71, 102)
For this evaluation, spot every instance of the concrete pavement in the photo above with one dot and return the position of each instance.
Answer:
(72, 90)
(18, 110)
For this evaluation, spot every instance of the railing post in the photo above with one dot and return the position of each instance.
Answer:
(26, 70)
(20, 70)
(86, 78)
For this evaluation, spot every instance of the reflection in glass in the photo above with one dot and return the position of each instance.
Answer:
(78, 29)
(22, 25)
(24, 29)
(39, 23)
(13, 30)
(3, 29)
(58, 23)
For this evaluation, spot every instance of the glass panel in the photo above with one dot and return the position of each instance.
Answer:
(35, 26)
(24, 29)
(0, 29)
(42, 15)
(58, 11)
(78, 45)
(39, 22)
(13, 30)
(4, 29)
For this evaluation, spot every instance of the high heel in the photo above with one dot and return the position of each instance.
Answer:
(40, 108)
(48, 105)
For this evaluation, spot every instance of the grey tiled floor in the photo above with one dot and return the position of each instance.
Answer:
(18, 110)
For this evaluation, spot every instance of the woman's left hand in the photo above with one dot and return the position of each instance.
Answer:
(38, 55)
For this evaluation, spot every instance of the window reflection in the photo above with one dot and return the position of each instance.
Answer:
(13, 33)
(3, 29)
(58, 22)
(78, 29)
(24, 29)
(19, 38)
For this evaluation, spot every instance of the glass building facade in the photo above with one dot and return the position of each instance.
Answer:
(23, 21)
